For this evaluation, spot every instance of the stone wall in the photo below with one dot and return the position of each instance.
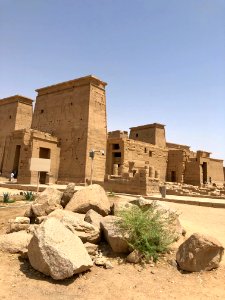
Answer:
(75, 112)
(21, 145)
(132, 156)
(151, 133)
(140, 183)
(176, 165)
(15, 113)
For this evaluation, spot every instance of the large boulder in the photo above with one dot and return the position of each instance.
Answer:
(199, 253)
(93, 218)
(55, 251)
(15, 242)
(91, 197)
(46, 202)
(75, 222)
(68, 194)
(113, 236)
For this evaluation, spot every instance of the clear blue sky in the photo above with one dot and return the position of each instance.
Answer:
(164, 60)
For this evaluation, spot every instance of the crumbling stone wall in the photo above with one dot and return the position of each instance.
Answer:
(131, 156)
(140, 183)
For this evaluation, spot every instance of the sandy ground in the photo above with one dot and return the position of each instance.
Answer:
(125, 281)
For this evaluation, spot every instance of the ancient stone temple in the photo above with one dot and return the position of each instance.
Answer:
(69, 121)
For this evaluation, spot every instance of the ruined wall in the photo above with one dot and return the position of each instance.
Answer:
(138, 155)
(140, 184)
(74, 112)
(132, 156)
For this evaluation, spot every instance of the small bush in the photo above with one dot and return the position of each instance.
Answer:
(148, 231)
(29, 196)
(6, 198)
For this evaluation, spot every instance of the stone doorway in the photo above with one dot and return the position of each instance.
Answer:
(16, 161)
(204, 172)
(44, 153)
(173, 176)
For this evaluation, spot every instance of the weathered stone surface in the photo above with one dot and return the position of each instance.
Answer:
(46, 202)
(103, 262)
(91, 197)
(75, 222)
(14, 227)
(17, 224)
(93, 218)
(21, 220)
(113, 236)
(142, 202)
(121, 206)
(15, 242)
(29, 212)
(39, 220)
(55, 251)
(199, 253)
(91, 248)
(134, 257)
(68, 194)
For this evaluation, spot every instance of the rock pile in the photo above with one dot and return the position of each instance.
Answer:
(60, 234)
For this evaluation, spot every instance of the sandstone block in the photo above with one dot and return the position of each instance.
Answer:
(57, 252)
(113, 236)
(68, 194)
(91, 197)
(75, 222)
(15, 242)
(46, 202)
(93, 218)
(199, 253)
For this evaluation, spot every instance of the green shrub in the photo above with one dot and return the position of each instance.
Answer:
(29, 196)
(148, 231)
(6, 198)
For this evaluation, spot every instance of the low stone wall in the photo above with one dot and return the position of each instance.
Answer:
(140, 184)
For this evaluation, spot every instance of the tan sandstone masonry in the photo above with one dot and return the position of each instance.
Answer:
(15, 114)
(75, 112)
(129, 156)
(21, 145)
